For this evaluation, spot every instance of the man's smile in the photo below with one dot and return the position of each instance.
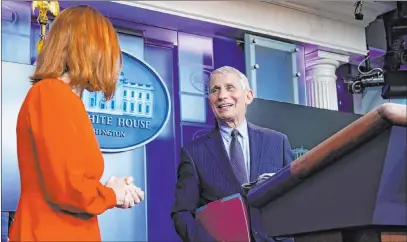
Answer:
(225, 106)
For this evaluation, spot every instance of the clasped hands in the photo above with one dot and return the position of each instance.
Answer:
(127, 194)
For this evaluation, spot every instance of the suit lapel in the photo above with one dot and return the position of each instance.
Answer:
(216, 147)
(256, 143)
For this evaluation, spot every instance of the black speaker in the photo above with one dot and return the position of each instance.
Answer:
(395, 84)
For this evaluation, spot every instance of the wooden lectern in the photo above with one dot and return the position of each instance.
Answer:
(349, 188)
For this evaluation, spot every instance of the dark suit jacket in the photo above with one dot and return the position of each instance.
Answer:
(205, 175)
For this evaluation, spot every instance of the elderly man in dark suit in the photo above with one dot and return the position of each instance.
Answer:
(216, 165)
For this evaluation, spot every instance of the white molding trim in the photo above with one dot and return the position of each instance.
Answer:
(316, 55)
(268, 19)
(339, 10)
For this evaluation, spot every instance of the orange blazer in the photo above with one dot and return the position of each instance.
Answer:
(60, 167)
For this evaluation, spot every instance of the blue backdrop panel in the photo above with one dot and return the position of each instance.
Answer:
(15, 31)
(15, 80)
(161, 156)
(117, 224)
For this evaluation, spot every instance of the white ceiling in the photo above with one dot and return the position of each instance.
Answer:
(340, 10)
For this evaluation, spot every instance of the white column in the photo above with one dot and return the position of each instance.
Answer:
(321, 78)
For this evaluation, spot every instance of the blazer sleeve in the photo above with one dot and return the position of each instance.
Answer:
(288, 155)
(67, 151)
(187, 201)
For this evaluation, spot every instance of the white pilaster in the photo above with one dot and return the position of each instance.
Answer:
(321, 78)
(281, 19)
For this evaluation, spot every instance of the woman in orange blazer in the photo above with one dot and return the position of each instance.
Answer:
(58, 154)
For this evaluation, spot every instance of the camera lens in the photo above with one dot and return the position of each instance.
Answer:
(357, 87)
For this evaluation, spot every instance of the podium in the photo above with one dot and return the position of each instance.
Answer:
(349, 188)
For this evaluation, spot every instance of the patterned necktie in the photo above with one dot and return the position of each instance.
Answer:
(237, 158)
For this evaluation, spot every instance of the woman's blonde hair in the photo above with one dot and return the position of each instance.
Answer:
(83, 43)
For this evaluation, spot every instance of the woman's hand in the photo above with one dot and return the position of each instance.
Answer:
(119, 187)
(134, 194)
(127, 194)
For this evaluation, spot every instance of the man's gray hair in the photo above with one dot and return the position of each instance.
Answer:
(228, 69)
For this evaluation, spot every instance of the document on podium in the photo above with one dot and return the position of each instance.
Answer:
(225, 219)
(263, 177)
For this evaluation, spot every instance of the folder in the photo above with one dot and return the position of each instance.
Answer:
(225, 219)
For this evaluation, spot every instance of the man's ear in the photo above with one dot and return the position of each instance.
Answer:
(249, 97)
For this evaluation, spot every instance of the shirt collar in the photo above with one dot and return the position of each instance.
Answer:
(226, 131)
